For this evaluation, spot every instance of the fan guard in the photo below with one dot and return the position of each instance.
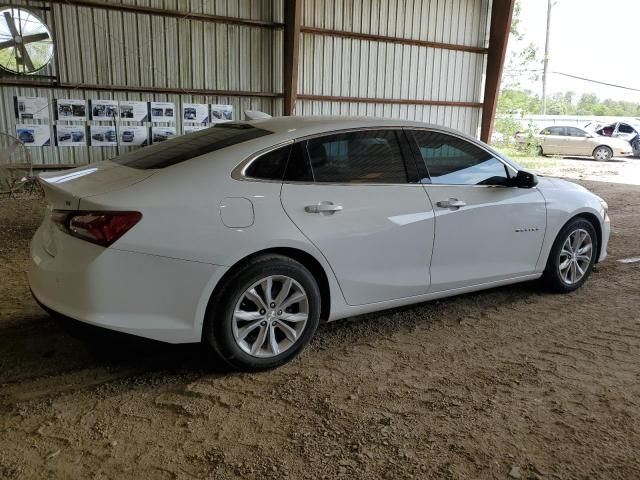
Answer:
(26, 44)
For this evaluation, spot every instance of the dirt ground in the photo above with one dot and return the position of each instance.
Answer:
(617, 170)
(507, 383)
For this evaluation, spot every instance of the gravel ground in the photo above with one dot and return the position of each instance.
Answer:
(507, 383)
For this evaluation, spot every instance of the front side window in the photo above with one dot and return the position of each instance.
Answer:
(559, 131)
(454, 161)
(369, 156)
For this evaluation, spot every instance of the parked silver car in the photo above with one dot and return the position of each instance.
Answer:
(568, 140)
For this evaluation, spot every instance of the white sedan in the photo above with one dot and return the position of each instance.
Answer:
(247, 234)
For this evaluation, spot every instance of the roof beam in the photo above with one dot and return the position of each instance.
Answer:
(389, 39)
(501, 14)
(165, 12)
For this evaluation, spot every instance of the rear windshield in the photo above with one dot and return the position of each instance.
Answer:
(190, 146)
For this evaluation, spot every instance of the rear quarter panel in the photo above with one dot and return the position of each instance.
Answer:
(181, 218)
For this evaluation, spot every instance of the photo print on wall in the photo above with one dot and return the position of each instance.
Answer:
(161, 134)
(163, 112)
(71, 135)
(221, 113)
(32, 108)
(71, 109)
(195, 112)
(134, 111)
(103, 136)
(34, 135)
(133, 135)
(104, 110)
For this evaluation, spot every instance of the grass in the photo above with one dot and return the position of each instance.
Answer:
(526, 158)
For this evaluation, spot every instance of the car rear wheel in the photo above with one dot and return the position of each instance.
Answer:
(572, 257)
(603, 153)
(264, 315)
(539, 151)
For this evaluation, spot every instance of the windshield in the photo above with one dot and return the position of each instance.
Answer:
(190, 146)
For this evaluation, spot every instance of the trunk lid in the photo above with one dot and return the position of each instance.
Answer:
(64, 190)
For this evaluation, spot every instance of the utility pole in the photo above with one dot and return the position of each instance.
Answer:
(546, 59)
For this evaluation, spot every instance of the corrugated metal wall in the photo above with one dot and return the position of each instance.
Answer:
(336, 66)
(98, 46)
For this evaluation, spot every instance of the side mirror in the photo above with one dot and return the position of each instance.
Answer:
(524, 179)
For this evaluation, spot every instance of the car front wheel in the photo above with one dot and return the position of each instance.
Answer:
(572, 256)
(603, 153)
(265, 315)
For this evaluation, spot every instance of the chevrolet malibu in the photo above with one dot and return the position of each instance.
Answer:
(246, 235)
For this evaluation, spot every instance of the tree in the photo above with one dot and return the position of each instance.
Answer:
(522, 63)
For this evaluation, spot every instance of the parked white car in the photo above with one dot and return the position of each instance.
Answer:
(561, 140)
(247, 234)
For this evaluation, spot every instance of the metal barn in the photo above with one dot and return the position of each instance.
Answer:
(437, 61)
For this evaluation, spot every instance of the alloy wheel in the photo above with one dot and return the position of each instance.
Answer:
(270, 316)
(603, 154)
(575, 256)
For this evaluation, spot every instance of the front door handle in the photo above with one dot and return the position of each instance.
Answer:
(453, 203)
(323, 207)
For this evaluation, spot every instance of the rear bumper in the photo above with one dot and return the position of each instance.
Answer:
(146, 295)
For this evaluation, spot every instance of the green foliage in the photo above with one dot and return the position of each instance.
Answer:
(518, 102)
(525, 102)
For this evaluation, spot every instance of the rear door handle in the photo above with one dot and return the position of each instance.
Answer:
(451, 203)
(323, 207)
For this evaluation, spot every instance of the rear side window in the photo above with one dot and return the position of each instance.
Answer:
(271, 165)
(189, 146)
(369, 156)
(575, 132)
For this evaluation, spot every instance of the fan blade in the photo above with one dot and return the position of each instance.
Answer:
(36, 37)
(7, 44)
(25, 59)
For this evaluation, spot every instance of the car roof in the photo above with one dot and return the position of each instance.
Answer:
(298, 126)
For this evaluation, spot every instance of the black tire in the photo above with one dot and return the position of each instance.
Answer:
(539, 151)
(552, 278)
(218, 324)
(602, 153)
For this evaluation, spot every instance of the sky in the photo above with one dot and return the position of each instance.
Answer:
(597, 39)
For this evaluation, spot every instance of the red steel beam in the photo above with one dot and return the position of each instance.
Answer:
(393, 101)
(398, 40)
(291, 45)
(501, 14)
(15, 82)
(164, 12)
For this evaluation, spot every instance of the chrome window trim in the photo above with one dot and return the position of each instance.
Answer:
(474, 142)
(238, 172)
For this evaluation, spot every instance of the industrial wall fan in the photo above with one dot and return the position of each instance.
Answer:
(26, 44)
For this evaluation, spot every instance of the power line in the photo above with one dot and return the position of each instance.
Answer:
(597, 81)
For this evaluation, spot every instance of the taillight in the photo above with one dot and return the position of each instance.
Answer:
(99, 227)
